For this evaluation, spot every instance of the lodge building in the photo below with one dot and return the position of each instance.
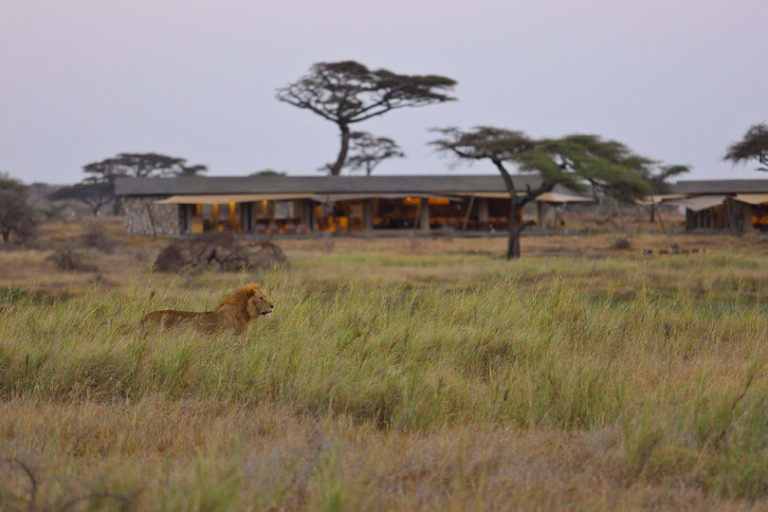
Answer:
(715, 205)
(296, 205)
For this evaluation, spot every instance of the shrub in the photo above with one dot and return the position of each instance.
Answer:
(96, 237)
(622, 243)
(66, 258)
(16, 216)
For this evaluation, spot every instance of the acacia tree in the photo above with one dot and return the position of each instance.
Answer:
(94, 195)
(573, 161)
(753, 146)
(366, 151)
(98, 188)
(659, 183)
(503, 147)
(16, 216)
(140, 165)
(347, 92)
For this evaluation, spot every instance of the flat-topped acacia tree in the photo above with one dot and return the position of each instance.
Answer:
(97, 189)
(347, 92)
(753, 146)
(576, 161)
(367, 151)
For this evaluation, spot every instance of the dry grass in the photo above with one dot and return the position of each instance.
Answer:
(396, 374)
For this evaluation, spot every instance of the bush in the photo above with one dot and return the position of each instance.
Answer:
(96, 237)
(16, 216)
(66, 258)
(622, 243)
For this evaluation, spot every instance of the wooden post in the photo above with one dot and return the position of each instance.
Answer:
(424, 214)
(482, 210)
(661, 221)
(186, 217)
(540, 214)
(368, 214)
(746, 212)
(469, 212)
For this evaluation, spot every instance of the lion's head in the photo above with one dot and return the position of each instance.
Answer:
(259, 305)
(251, 300)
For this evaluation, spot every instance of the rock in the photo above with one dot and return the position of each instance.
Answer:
(218, 253)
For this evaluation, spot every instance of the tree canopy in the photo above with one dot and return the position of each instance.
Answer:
(753, 146)
(98, 187)
(94, 195)
(140, 165)
(367, 151)
(17, 217)
(659, 180)
(347, 92)
(267, 172)
(578, 161)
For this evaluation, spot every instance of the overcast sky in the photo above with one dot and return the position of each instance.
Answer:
(676, 80)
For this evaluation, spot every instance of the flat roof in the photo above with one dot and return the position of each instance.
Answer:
(721, 187)
(411, 184)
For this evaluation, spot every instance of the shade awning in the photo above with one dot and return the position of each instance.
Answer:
(660, 198)
(230, 198)
(488, 195)
(556, 197)
(332, 198)
(699, 203)
(752, 198)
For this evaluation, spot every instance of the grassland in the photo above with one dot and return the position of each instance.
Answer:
(394, 375)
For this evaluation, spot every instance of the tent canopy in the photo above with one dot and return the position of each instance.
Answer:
(556, 197)
(230, 198)
(660, 198)
(699, 203)
(332, 198)
(752, 198)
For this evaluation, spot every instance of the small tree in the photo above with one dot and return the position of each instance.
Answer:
(659, 183)
(753, 146)
(98, 188)
(366, 151)
(347, 92)
(267, 172)
(17, 217)
(94, 195)
(140, 165)
(608, 166)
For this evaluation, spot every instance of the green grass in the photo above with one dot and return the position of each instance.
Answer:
(669, 354)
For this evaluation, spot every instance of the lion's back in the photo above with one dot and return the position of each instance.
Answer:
(207, 321)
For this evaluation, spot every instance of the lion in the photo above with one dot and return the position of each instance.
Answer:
(234, 313)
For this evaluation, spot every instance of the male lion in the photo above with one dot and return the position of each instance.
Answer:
(234, 313)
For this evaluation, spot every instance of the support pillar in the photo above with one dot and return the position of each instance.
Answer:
(248, 213)
(424, 215)
(540, 214)
(368, 214)
(746, 212)
(304, 213)
(482, 210)
(185, 215)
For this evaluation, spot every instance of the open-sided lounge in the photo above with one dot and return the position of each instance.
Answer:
(300, 205)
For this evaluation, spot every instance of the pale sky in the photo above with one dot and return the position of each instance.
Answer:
(676, 80)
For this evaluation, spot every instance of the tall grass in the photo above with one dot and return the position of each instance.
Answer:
(670, 357)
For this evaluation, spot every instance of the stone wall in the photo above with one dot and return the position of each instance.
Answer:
(145, 217)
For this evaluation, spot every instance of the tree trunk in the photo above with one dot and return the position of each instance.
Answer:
(515, 228)
(335, 169)
(653, 211)
(6, 236)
